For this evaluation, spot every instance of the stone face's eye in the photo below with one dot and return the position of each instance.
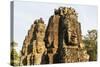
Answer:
(40, 31)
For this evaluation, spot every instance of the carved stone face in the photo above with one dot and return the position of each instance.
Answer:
(40, 32)
(65, 10)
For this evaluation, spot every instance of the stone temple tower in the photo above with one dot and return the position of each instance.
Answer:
(63, 37)
(59, 42)
(34, 46)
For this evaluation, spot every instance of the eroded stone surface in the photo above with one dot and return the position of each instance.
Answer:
(34, 45)
(60, 42)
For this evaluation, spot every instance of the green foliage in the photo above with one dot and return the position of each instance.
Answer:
(90, 41)
(14, 56)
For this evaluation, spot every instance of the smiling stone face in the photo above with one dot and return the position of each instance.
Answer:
(40, 33)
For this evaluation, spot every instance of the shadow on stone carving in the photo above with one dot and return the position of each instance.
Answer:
(60, 42)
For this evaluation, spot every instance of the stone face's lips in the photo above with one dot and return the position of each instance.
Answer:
(60, 42)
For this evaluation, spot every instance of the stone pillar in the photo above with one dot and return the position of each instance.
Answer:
(34, 45)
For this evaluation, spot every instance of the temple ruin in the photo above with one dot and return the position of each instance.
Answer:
(59, 42)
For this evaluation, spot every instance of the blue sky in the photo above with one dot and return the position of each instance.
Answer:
(26, 12)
